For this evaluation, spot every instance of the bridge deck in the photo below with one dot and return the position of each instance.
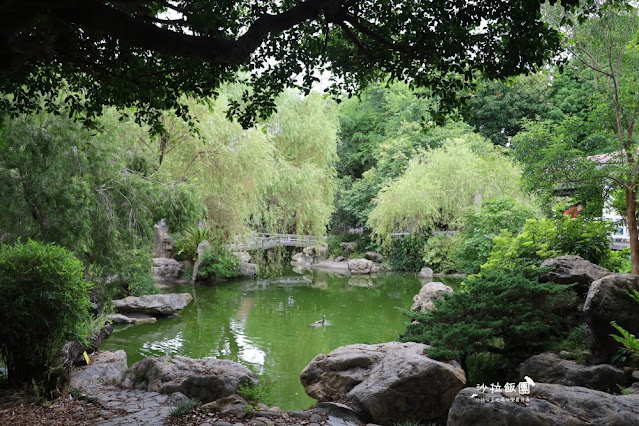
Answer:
(263, 241)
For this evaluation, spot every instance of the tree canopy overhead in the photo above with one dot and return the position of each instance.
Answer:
(147, 53)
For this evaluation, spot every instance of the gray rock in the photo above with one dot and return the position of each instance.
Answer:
(338, 410)
(153, 304)
(423, 301)
(425, 272)
(177, 398)
(247, 270)
(231, 405)
(204, 379)
(573, 269)
(163, 244)
(360, 266)
(165, 269)
(201, 249)
(242, 256)
(548, 405)
(301, 259)
(348, 248)
(72, 352)
(131, 319)
(105, 367)
(385, 383)
(608, 301)
(318, 253)
(374, 256)
(332, 266)
(550, 368)
(340, 259)
(379, 267)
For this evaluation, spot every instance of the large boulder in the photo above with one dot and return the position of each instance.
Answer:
(374, 256)
(332, 266)
(423, 301)
(547, 405)
(153, 304)
(348, 247)
(242, 256)
(573, 269)
(165, 269)
(385, 383)
(607, 301)
(550, 368)
(301, 259)
(318, 252)
(72, 352)
(163, 244)
(105, 368)
(205, 379)
(131, 319)
(360, 266)
(247, 270)
(202, 247)
(426, 272)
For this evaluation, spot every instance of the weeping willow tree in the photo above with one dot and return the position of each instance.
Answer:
(299, 197)
(439, 185)
(277, 176)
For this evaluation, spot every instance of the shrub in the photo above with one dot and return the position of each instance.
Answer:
(218, 262)
(187, 242)
(438, 253)
(629, 341)
(507, 313)
(407, 253)
(545, 238)
(481, 226)
(45, 302)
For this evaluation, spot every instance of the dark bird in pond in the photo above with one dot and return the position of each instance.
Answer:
(320, 323)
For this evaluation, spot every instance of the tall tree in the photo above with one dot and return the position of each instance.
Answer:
(440, 185)
(609, 61)
(148, 53)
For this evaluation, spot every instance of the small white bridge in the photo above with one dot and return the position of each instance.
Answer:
(263, 241)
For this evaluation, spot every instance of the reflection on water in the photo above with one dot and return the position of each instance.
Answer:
(264, 324)
(166, 346)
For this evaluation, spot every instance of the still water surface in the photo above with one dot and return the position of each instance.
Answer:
(264, 324)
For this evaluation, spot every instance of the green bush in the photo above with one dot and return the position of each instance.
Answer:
(507, 313)
(481, 226)
(439, 253)
(44, 303)
(545, 238)
(218, 262)
(186, 243)
(407, 253)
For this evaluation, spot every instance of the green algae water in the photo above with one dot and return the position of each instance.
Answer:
(265, 324)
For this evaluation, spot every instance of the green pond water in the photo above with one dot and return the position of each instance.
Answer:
(264, 324)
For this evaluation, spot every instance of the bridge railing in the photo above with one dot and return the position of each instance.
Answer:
(261, 240)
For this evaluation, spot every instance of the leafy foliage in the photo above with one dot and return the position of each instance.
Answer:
(275, 177)
(439, 253)
(481, 225)
(440, 185)
(66, 185)
(629, 341)
(44, 303)
(504, 312)
(217, 263)
(148, 61)
(406, 253)
(545, 238)
(499, 108)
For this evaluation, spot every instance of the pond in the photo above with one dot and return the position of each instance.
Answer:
(264, 324)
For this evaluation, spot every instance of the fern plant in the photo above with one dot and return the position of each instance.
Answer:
(629, 341)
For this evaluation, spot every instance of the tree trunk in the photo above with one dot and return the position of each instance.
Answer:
(631, 212)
